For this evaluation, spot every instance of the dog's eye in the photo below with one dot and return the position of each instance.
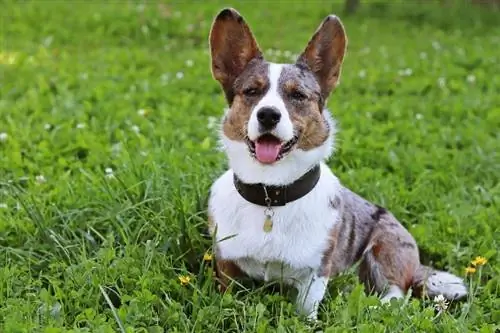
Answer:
(250, 92)
(297, 95)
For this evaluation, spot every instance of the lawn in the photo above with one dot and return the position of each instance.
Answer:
(108, 146)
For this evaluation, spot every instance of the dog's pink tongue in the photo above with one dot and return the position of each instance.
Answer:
(267, 149)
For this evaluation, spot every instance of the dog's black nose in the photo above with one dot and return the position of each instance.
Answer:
(268, 117)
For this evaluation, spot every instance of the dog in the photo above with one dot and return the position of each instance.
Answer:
(278, 212)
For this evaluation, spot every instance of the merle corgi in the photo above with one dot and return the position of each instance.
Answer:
(279, 213)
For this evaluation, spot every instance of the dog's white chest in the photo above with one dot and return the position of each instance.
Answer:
(298, 237)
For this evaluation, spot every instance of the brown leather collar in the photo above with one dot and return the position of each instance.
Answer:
(278, 195)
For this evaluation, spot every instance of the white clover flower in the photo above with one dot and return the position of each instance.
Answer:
(189, 63)
(3, 137)
(362, 74)
(365, 50)
(3, 205)
(436, 45)
(80, 125)
(212, 122)
(109, 173)
(165, 77)
(135, 129)
(40, 179)
(179, 75)
(442, 82)
(471, 78)
(440, 303)
(405, 72)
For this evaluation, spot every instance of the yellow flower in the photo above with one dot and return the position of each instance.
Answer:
(207, 256)
(470, 270)
(184, 279)
(479, 261)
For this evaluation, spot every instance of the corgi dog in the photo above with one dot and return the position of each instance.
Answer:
(278, 212)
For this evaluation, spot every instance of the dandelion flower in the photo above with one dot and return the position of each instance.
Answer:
(184, 280)
(479, 261)
(470, 270)
(207, 257)
(440, 303)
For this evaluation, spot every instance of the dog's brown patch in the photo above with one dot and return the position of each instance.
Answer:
(392, 256)
(255, 77)
(313, 127)
(234, 125)
(305, 112)
(226, 271)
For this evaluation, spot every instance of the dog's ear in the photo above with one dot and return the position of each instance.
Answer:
(324, 53)
(232, 47)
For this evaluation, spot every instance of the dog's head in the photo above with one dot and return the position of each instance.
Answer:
(276, 126)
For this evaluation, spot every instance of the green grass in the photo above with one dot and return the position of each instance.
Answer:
(84, 251)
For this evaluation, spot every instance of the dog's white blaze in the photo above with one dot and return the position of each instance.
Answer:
(272, 98)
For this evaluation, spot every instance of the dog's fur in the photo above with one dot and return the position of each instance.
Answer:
(330, 228)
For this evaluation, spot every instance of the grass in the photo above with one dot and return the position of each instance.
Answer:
(102, 206)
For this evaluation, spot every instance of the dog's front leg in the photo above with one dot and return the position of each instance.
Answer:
(311, 290)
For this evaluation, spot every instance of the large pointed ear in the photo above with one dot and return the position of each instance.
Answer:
(324, 53)
(232, 47)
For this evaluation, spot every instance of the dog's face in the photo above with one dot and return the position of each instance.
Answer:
(276, 113)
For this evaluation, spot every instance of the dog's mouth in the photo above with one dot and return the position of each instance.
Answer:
(269, 149)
